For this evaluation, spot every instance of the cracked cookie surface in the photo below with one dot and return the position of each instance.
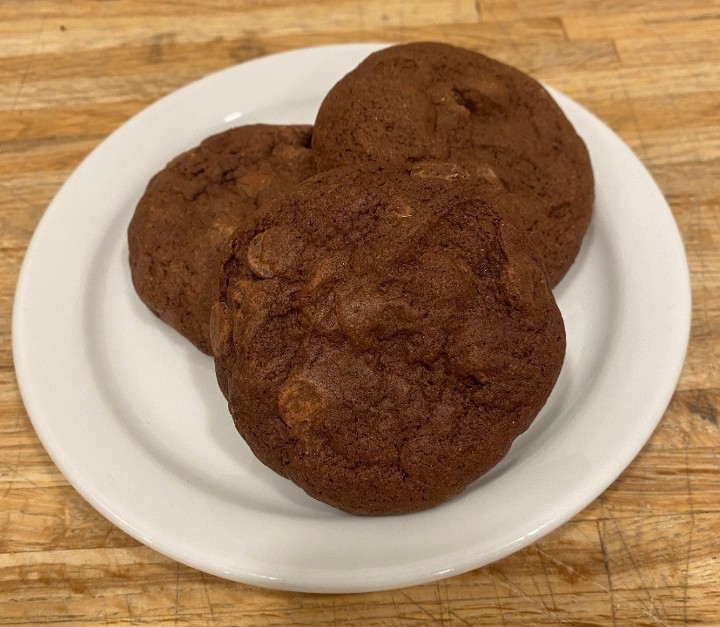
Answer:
(383, 335)
(430, 100)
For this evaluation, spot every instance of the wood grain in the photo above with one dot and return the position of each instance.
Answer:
(646, 552)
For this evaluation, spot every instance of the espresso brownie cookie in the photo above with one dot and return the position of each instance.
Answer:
(383, 335)
(431, 100)
(191, 207)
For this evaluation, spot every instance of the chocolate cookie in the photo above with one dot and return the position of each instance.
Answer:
(190, 208)
(435, 101)
(383, 335)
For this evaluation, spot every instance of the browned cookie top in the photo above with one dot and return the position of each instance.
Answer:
(190, 208)
(435, 101)
(383, 335)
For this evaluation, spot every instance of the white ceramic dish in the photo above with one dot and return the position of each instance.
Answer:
(132, 416)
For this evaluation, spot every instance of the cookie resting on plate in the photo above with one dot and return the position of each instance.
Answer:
(192, 206)
(383, 335)
(430, 100)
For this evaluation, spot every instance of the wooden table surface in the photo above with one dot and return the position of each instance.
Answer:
(647, 552)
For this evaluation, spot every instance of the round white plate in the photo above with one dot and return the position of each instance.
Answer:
(131, 413)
